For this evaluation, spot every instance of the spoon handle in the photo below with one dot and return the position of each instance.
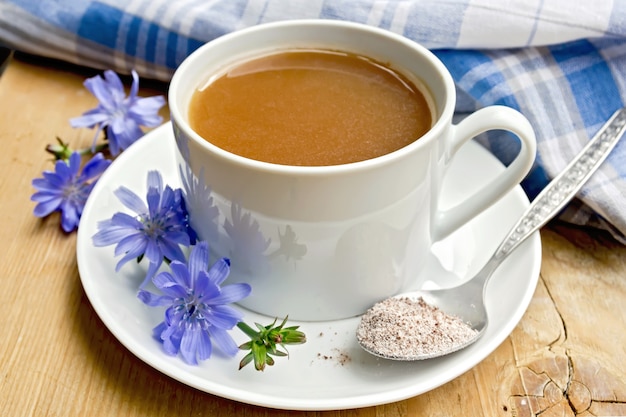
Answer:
(563, 188)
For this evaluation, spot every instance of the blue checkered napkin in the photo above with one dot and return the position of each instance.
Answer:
(561, 63)
(567, 91)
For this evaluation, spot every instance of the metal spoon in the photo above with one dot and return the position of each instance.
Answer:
(466, 301)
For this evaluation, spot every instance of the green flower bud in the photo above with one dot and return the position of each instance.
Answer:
(61, 150)
(264, 342)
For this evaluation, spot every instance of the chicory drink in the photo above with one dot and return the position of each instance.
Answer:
(311, 108)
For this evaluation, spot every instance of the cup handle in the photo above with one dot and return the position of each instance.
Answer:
(488, 118)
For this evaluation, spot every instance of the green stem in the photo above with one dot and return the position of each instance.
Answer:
(98, 148)
(249, 331)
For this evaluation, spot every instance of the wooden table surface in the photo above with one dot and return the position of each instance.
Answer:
(566, 357)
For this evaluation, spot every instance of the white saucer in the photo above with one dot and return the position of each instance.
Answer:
(330, 371)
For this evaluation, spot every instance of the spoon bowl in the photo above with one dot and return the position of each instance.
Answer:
(466, 302)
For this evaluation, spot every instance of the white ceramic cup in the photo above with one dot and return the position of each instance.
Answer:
(325, 243)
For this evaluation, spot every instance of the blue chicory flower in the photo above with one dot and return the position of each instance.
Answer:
(121, 117)
(66, 189)
(157, 231)
(198, 314)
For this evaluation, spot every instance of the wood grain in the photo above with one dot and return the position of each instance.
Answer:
(565, 358)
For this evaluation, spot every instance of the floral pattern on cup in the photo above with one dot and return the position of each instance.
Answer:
(289, 246)
(249, 249)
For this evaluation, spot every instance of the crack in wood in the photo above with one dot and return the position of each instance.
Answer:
(561, 382)
(566, 392)
(541, 393)
(562, 337)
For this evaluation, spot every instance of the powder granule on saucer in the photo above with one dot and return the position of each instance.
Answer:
(405, 328)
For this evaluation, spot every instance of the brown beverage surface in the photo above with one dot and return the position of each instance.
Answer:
(310, 108)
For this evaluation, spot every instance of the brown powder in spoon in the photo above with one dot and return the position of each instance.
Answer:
(405, 328)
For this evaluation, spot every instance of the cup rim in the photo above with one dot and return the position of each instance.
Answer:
(443, 119)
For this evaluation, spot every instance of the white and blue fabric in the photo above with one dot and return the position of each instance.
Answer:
(562, 63)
